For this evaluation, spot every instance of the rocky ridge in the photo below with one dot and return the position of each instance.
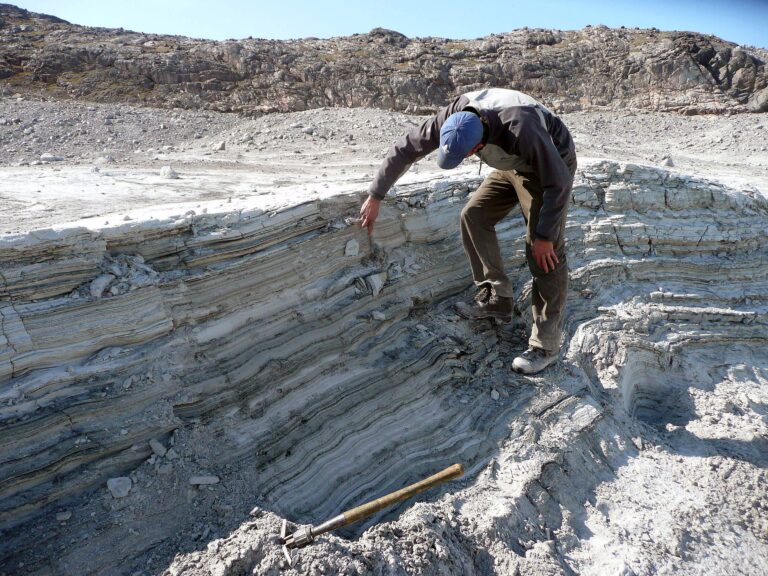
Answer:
(569, 70)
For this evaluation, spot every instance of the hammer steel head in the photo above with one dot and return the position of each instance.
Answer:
(297, 539)
(300, 538)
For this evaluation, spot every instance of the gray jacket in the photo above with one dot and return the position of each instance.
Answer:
(522, 135)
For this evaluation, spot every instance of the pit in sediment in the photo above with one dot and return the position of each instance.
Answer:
(304, 402)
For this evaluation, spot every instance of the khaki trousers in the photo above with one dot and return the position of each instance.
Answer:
(496, 196)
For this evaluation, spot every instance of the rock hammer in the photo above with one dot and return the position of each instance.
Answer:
(306, 534)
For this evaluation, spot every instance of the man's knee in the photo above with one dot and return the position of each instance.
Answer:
(472, 215)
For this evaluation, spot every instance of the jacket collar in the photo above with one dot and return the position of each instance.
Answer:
(493, 127)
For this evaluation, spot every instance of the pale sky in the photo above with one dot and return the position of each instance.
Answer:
(740, 21)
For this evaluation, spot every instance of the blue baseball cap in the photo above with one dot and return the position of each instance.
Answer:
(460, 133)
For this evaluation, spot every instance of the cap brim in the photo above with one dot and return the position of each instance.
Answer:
(448, 161)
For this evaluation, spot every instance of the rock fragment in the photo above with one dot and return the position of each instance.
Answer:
(352, 248)
(119, 487)
(99, 285)
(219, 146)
(168, 173)
(63, 516)
(203, 480)
(48, 157)
(375, 283)
(157, 447)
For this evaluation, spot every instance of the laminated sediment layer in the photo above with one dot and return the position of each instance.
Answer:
(310, 368)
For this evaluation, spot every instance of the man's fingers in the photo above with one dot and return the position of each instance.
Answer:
(547, 261)
(552, 260)
(367, 222)
(369, 212)
(542, 262)
(545, 256)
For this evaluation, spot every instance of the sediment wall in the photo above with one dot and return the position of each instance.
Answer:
(309, 366)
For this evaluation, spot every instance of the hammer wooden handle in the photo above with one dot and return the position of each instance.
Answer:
(365, 510)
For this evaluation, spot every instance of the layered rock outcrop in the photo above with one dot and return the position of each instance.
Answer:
(307, 369)
(569, 70)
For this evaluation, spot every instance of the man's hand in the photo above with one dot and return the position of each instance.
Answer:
(369, 212)
(544, 254)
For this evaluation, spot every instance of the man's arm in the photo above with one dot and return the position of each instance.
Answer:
(408, 149)
(536, 147)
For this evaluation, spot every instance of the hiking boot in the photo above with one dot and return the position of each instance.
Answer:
(533, 360)
(487, 304)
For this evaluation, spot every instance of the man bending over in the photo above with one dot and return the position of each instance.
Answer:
(535, 161)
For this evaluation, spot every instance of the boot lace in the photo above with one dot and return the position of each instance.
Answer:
(484, 295)
(533, 353)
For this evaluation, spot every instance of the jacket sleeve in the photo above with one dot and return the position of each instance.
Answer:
(537, 148)
(411, 147)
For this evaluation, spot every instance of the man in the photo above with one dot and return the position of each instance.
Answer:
(535, 161)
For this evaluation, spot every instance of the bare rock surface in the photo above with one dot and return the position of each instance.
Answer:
(239, 344)
(569, 70)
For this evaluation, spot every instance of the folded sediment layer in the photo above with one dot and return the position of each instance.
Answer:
(325, 366)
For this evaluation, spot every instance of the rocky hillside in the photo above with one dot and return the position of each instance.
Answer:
(569, 70)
